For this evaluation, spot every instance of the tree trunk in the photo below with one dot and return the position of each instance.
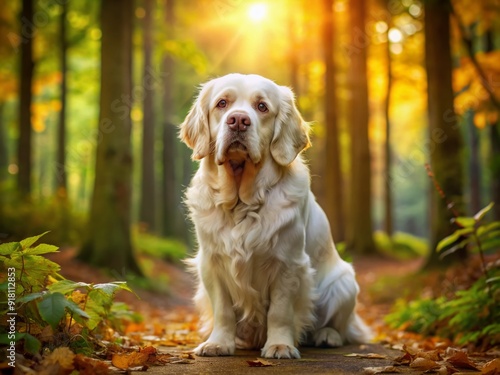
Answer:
(474, 165)
(4, 155)
(495, 168)
(25, 98)
(446, 140)
(108, 243)
(170, 212)
(61, 178)
(360, 229)
(147, 214)
(388, 220)
(332, 173)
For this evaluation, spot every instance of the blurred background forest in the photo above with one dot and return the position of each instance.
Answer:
(91, 93)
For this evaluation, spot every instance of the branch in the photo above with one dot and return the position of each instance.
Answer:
(466, 39)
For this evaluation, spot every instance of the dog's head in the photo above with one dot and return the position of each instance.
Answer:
(240, 118)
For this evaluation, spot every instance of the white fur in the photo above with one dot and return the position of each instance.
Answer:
(269, 274)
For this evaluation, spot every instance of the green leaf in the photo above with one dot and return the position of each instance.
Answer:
(75, 309)
(31, 344)
(96, 311)
(9, 248)
(483, 229)
(66, 286)
(479, 216)
(51, 308)
(41, 249)
(452, 238)
(111, 288)
(465, 222)
(30, 297)
(456, 247)
(26, 243)
(493, 279)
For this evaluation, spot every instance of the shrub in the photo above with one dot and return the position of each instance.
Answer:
(48, 308)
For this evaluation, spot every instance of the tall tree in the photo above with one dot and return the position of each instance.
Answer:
(108, 242)
(446, 158)
(332, 174)
(4, 156)
(388, 220)
(170, 214)
(360, 228)
(61, 179)
(147, 212)
(25, 98)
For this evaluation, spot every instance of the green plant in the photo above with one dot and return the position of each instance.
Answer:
(473, 314)
(159, 247)
(39, 301)
(401, 245)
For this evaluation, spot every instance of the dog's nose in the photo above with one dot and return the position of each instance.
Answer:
(238, 121)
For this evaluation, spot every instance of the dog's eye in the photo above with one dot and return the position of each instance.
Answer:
(222, 103)
(262, 107)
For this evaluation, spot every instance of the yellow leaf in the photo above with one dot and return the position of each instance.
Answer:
(480, 120)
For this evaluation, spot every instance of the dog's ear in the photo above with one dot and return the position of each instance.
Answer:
(195, 131)
(291, 132)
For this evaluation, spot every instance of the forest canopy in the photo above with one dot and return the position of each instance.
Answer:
(365, 73)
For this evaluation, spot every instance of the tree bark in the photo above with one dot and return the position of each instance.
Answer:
(495, 168)
(61, 178)
(108, 243)
(474, 165)
(332, 173)
(360, 229)
(444, 132)
(147, 214)
(24, 149)
(4, 156)
(170, 214)
(388, 219)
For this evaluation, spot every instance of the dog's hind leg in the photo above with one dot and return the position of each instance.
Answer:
(338, 322)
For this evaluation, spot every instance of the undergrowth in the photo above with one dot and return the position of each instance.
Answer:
(41, 309)
(471, 316)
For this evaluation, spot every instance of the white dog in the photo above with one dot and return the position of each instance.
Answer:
(269, 274)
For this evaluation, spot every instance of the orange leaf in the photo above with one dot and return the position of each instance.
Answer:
(423, 364)
(127, 360)
(461, 360)
(491, 367)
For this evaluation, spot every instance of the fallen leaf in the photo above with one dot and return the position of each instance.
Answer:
(423, 364)
(461, 360)
(259, 362)
(380, 370)
(88, 366)
(405, 359)
(127, 360)
(491, 367)
(433, 355)
(62, 356)
(149, 350)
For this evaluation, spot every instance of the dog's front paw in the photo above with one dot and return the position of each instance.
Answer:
(327, 336)
(214, 349)
(280, 351)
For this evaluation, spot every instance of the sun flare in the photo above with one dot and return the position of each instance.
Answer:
(257, 12)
